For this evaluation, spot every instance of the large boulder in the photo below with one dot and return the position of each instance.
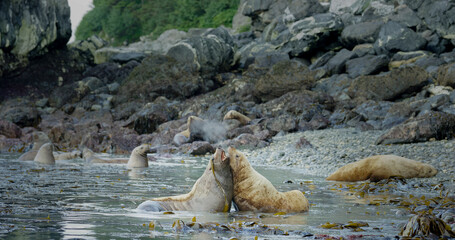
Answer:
(446, 75)
(309, 34)
(354, 7)
(9, 129)
(263, 13)
(283, 77)
(394, 37)
(210, 53)
(438, 16)
(160, 75)
(151, 116)
(390, 85)
(366, 65)
(363, 32)
(435, 125)
(29, 28)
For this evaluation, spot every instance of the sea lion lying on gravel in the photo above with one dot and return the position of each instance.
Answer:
(244, 120)
(380, 167)
(45, 154)
(253, 192)
(212, 191)
(137, 159)
(39, 138)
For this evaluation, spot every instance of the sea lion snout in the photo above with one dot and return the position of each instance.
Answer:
(221, 155)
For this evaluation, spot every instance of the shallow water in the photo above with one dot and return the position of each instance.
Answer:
(74, 200)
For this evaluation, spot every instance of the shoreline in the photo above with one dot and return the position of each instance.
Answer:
(331, 149)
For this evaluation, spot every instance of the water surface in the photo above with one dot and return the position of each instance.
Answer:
(75, 200)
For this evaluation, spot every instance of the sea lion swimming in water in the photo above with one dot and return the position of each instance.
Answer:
(67, 155)
(39, 138)
(45, 154)
(213, 191)
(137, 159)
(253, 192)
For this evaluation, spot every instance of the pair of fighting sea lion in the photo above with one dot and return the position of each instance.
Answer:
(215, 189)
(212, 191)
(380, 167)
(137, 159)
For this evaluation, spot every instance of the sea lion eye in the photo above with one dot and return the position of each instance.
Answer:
(236, 156)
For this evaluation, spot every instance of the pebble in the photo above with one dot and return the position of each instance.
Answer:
(334, 148)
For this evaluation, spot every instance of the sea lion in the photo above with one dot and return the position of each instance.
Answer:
(213, 191)
(45, 154)
(67, 155)
(380, 167)
(244, 120)
(137, 159)
(39, 138)
(184, 136)
(253, 192)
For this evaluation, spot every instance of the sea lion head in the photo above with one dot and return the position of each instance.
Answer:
(138, 158)
(237, 159)
(87, 154)
(45, 154)
(220, 160)
(426, 170)
(39, 138)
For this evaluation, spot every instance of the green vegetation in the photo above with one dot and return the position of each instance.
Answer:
(126, 20)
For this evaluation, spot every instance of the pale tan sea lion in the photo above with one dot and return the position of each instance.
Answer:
(184, 136)
(137, 159)
(39, 138)
(244, 120)
(253, 192)
(45, 154)
(67, 155)
(380, 167)
(213, 191)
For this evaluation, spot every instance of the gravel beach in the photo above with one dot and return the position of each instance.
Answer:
(331, 149)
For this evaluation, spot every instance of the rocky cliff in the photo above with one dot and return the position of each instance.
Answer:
(304, 65)
(29, 29)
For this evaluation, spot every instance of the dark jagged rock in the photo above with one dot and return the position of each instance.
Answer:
(9, 129)
(446, 75)
(21, 113)
(212, 52)
(336, 64)
(397, 113)
(247, 54)
(311, 34)
(160, 75)
(263, 13)
(438, 16)
(28, 33)
(151, 116)
(285, 123)
(394, 37)
(363, 32)
(281, 78)
(435, 125)
(198, 148)
(366, 65)
(390, 85)
(405, 16)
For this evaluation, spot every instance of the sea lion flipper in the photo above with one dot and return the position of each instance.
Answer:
(151, 206)
(235, 206)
